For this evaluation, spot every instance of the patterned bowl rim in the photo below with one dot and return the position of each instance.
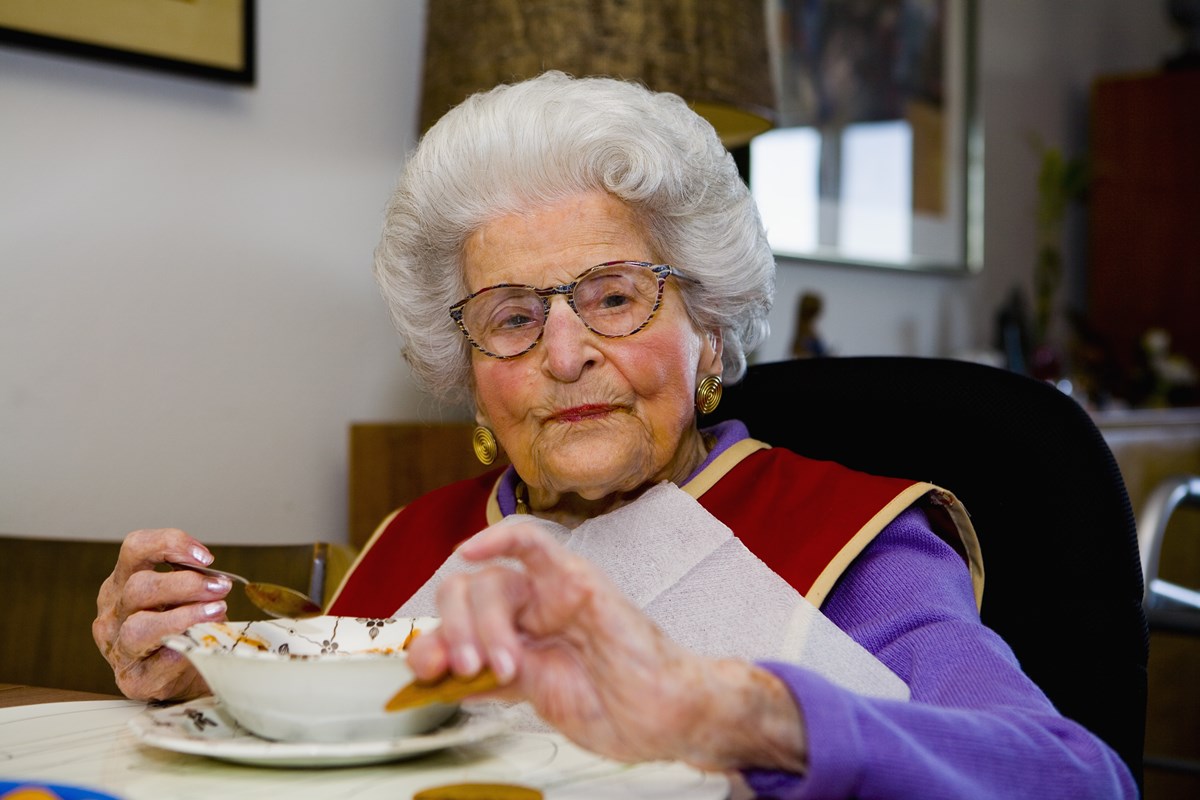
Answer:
(187, 644)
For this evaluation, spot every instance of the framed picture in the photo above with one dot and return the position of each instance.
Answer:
(877, 157)
(205, 38)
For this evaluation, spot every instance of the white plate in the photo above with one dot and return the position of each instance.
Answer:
(202, 727)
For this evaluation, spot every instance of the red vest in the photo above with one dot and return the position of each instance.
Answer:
(807, 520)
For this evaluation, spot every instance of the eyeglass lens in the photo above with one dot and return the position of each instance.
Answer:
(612, 301)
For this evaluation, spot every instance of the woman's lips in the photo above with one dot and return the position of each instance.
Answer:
(582, 413)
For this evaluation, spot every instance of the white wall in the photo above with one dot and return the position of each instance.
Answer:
(187, 317)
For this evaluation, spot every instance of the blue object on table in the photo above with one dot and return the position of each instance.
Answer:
(33, 790)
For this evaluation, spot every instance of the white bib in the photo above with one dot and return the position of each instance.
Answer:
(688, 572)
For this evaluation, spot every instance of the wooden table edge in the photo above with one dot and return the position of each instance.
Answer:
(15, 694)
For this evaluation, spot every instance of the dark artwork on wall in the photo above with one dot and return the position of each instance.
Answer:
(860, 62)
(876, 158)
(211, 39)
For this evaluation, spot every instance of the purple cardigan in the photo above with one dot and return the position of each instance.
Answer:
(976, 727)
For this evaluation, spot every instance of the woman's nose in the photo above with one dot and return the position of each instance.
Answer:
(568, 346)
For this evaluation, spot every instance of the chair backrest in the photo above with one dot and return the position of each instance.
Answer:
(394, 463)
(50, 588)
(1063, 579)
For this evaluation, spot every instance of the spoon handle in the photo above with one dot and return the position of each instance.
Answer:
(213, 573)
(277, 601)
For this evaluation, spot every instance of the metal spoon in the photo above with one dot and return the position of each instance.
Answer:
(275, 600)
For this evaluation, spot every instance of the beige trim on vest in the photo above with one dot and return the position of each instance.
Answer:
(721, 465)
(362, 554)
(859, 541)
(964, 540)
(941, 502)
(493, 502)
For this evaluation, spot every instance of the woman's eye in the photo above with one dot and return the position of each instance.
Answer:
(614, 300)
(515, 320)
(606, 294)
(513, 315)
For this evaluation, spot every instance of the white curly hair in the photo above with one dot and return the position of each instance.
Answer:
(530, 144)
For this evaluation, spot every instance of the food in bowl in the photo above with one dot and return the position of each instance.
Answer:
(320, 679)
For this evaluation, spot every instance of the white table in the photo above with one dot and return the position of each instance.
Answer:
(90, 744)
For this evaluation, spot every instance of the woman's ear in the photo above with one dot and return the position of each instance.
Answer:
(481, 417)
(710, 356)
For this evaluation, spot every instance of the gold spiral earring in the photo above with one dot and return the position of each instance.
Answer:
(484, 444)
(708, 394)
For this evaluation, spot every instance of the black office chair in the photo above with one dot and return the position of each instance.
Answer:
(1063, 579)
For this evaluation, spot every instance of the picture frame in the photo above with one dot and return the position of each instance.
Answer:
(876, 159)
(210, 39)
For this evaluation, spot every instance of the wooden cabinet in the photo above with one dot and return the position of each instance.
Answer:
(1144, 209)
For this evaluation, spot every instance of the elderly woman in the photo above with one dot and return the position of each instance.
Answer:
(581, 261)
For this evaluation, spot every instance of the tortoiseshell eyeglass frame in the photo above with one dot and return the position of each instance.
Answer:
(661, 273)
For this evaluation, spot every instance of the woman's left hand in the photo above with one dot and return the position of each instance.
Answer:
(559, 634)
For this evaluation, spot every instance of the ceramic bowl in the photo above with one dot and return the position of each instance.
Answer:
(321, 679)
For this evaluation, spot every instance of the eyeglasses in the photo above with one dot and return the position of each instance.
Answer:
(614, 299)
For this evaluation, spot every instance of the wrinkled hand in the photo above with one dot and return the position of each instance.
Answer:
(559, 634)
(137, 607)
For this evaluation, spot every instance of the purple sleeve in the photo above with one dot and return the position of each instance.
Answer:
(976, 726)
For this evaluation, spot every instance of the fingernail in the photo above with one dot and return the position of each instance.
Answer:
(467, 660)
(218, 584)
(214, 609)
(201, 555)
(502, 665)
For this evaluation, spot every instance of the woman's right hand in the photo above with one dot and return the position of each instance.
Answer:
(557, 632)
(138, 606)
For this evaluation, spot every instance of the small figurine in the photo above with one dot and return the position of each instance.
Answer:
(1170, 379)
(1185, 14)
(807, 342)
